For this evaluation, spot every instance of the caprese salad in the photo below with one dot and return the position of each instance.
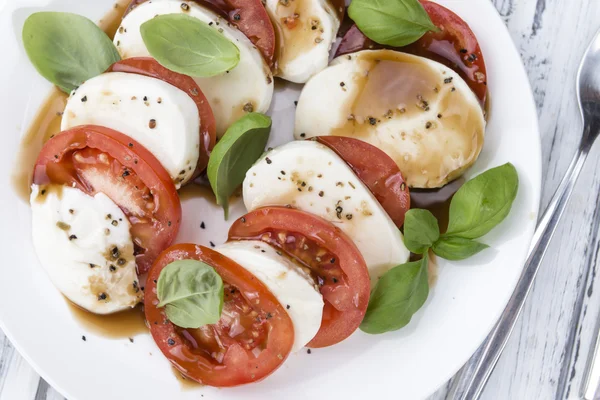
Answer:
(329, 243)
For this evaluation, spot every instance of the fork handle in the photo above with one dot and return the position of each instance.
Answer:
(470, 382)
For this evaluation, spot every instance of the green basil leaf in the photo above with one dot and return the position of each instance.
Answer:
(191, 292)
(391, 22)
(189, 46)
(240, 147)
(67, 49)
(456, 249)
(483, 202)
(421, 230)
(397, 296)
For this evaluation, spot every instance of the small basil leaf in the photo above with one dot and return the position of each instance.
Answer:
(421, 230)
(391, 22)
(67, 49)
(243, 144)
(397, 296)
(456, 249)
(189, 46)
(191, 292)
(483, 202)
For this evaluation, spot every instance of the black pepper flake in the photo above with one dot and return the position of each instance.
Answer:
(464, 51)
(72, 237)
(202, 226)
(169, 223)
(92, 265)
(342, 84)
(288, 307)
(321, 193)
(332, 261)
(130, 144)
(269, 315)
(114, 222)
(348, 217)
(372, 121)
(338, 212)
(121, 261)
(102, 296)
(84, 338)
(84, 99)
(136, 286)
(472, 57)
(263, 251)
(268, 160)
(243, 219)
(282, 172)
(295, 103)
(334, 279)
(152, 124)
(126, 173)
(43, 192)
(71, 211)
(212, 244)
(145, 98)
(249, 107)
(428, 125)
(115, 252)
(131, 339)
(439, 115)
(112, 268)
(171, 342)
(237, 17)
(308, 351)
(448, 80)
(453, 89)
(303, 135)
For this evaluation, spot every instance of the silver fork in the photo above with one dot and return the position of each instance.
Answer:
(471, 380)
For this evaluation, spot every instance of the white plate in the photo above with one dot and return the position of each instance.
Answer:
(409, 364)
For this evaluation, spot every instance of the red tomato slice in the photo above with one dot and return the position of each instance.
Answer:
(377, 171)
(253, 338)
(454, 46)
(98, 159)
(337, 265)
(208, 127)
(249, 16)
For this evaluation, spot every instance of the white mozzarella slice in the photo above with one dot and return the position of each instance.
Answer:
(421, 113)
(161, 117)
(309, 176)
(84, 244)
(306, 30)
(289, 283)
(247, 87)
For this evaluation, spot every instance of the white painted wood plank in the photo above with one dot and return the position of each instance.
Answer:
(18, 381)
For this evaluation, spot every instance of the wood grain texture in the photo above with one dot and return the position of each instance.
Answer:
(546, 356)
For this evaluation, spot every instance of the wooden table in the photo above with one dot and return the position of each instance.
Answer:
(548, 351)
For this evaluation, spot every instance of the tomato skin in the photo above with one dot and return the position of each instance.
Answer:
(337, 324)
(454, 46)
(238, 368)
(249, 16)
(208, 127)
(55, 165)
(377, 171)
